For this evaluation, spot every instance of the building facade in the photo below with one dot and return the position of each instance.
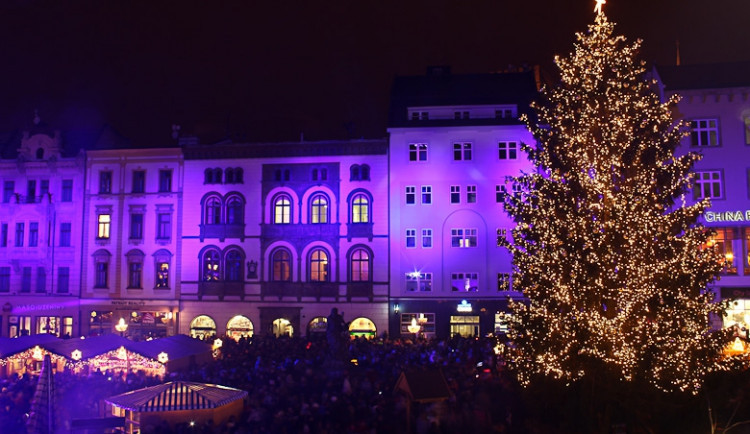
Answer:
(276, 235)
(715, 103)
(132, 230)
(40, 234)
(454, 141)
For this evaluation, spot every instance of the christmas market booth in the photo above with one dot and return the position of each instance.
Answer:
(175, 403)
(25, 354)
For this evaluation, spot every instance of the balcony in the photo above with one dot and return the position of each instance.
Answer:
(359, 289)
(298, 290)
(223, 231)
(299, 231)
(221, 289)
(358, 230)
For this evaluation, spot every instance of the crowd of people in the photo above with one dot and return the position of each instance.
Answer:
(297, 385)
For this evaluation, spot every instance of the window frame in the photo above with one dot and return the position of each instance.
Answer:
(426, 195)
(105, 182)
(709, 184)
(702, 131)
(360, 267)
(165, 180)
(361, 208)
(280, 265)
(418, 152)
(507, 150)
(282, 209)
(318, 265)
(319, 209)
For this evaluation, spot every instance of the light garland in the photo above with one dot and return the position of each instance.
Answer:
(611, 260)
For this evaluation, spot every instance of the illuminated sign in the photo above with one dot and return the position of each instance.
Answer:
(464, 306)
(727, 216)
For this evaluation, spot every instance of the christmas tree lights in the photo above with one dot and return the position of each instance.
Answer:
(613, 264)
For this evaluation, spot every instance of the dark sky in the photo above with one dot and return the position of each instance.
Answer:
(272, 69)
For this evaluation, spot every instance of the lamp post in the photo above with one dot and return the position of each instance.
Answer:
(121, 326)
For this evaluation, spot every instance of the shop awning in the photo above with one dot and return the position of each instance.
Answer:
(177, 395)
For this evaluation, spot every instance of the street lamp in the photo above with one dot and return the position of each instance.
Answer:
(121, 326)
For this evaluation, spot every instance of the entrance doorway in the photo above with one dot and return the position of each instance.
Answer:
(282, 327)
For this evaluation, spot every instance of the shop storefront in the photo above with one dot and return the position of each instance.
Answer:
(136, 319)
(30, 317)
(445, 318)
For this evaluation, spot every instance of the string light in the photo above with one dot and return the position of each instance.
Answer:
(610, 258)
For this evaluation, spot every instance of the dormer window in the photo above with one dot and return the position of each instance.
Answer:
(420, 116)
(461, 115)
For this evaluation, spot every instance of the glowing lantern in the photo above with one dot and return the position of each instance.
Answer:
(163, 357)
(76, 355)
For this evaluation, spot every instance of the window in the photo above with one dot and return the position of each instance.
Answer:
(502, 234)
(359, 172)
(411, 195)
(461, 115)
(164, 226)
(135, 269)
(471, 194)
(507, 150)
(139, 181)
(281, 265)
(417, 151)
(426, 194)
(30, 191)
(503, 281)
(33, 234)
(463, 238)
(499, 191)
(19, 234)
(105, 182)
(319, 209)
(418, 282)
(426, 238)
(63, 280)
(212, 176)
(411, 238)
(359, 265)
(235, 208)
(704, 132)
(318, 266)
(9, 189)
(722, 243)
(211, 266)
(504, 113)
(233, 175)
(67, 190)
(103, 226)
(464, 282)
(102, 275)
(213, 211)
(282, 209)
(4, 235)
(165, 181)
(4, 279)
(65, 229)
(162, 261)
(319, 174)
(461, 151)
(41, 280)
(420, 116)
(233, 263)
(43, 189)
(136, 226)
(360, 208)
(26, 279)
(455, 194)
(708, 184)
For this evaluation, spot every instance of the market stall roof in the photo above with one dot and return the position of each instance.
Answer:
(11, 346)
(89, 347)
(177, 395)
(176, 347)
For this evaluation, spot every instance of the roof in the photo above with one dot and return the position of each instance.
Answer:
(177, 395)
(446, 89)
(705, 76)
(287, 149)
(11, 346)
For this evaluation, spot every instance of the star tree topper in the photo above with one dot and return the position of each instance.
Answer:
(598, 7)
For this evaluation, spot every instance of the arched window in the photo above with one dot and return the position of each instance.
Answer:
(354, 173)
(211, 266)
(319, 209)
(282, 209)
(213, 211)
(238, 175)
(281, 265)
(208, 176)
(217, 176)
(318, 266)
(359, 266)
(233, 265)
(229, 175)
(360, 209)
(364, 172)
(235, 207)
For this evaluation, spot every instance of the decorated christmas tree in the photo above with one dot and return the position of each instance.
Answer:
(611, 259)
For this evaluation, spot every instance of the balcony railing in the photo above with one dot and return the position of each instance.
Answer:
(299, 289)
(221, 289)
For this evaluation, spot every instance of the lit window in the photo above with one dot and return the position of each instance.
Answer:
(282, 210)
(463, 238)
(417, 151)
(464, 282)
(360, 209)
(319, 209)
(282, 265)
(418, 282)
(318, 266)
(211, 266)
(360, 266)
(103, 226)
(162, 275)
(708, 184)
(704, 132)
(507, 150)
(722, 243)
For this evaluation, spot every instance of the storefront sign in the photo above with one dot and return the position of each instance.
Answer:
(464, 306)
(727, 216)
(38, 307)
(127, 303)
(741, 292)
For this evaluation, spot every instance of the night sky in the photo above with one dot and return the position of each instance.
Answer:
(271, 70)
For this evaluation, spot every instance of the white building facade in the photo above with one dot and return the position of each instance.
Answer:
(454, 140)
